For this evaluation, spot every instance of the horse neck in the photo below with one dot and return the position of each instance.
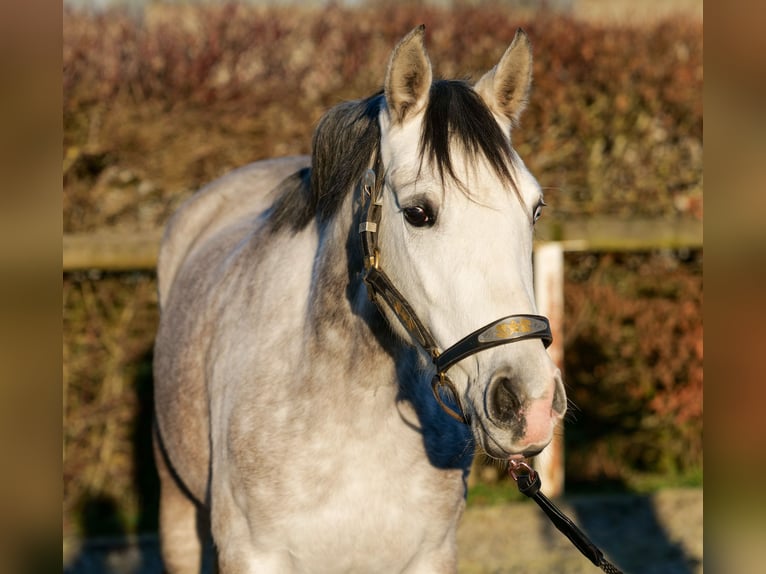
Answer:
(346, 328)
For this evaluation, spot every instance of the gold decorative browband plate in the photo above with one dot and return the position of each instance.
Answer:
(511, 328)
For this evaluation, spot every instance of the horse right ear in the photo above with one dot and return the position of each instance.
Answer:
(505, 87)
(408, 77)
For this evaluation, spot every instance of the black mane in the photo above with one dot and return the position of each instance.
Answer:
(348, 136)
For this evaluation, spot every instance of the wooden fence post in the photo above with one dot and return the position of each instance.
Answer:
(549, 292)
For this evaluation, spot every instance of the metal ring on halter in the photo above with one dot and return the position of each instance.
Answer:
(515, 465)
(442, 380)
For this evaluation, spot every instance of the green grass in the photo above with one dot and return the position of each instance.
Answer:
(646, 483)
(501, 492)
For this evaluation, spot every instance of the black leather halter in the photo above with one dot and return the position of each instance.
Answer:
(380, 289)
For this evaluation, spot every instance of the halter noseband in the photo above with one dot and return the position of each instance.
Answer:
(380, 289)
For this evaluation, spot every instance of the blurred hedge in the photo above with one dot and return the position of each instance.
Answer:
(157, 104)
(633, 354)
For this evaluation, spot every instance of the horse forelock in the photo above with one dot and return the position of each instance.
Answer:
(456, 114)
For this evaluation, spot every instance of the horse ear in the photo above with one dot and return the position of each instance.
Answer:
(505, 87)
(408, 77)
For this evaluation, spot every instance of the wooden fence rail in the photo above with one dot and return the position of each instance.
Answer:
(113, 251)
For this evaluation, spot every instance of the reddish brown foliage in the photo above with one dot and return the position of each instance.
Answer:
(634, 364)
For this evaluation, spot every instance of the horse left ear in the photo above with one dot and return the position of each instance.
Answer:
(505, 87)
(408, 77)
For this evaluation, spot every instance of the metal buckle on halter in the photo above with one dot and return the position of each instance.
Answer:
(371, 261)
(368, 181)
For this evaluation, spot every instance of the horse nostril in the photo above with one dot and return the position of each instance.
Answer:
(505, 403)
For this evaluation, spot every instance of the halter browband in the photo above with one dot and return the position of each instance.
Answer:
(380, 288)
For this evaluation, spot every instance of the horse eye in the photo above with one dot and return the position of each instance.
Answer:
(538, 211)
(419, 216)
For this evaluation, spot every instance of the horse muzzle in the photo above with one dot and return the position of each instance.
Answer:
(513, 420)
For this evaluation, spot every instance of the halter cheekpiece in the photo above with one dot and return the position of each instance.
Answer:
(380, 289)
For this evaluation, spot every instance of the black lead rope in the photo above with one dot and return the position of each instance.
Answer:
(528, 482)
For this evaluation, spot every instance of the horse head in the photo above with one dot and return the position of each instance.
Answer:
(454, 235)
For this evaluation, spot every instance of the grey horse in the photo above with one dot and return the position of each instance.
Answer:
(305, 408)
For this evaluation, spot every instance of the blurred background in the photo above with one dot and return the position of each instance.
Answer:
(161, 97)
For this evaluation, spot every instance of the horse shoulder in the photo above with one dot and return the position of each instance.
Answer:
(197, 274)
